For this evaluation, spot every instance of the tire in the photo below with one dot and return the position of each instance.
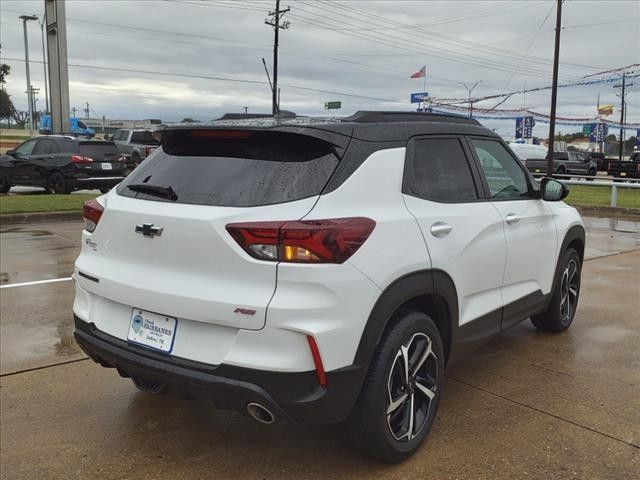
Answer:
(564, 301)
(104, 190)
(135, 159)
(148, 387)
(5, 186)
(386, 436)
(57, 184)
(561, 171)
(592, 173)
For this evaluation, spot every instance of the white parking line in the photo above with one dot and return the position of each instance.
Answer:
(37, 282)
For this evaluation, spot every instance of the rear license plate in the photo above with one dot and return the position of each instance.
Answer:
(152, 330)
(537, 170)
(107, 166)
(623, 174)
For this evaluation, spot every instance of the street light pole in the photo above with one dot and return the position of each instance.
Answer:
(25, 19)
(469, 90)
(44, 66)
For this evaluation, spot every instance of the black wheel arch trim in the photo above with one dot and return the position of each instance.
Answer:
(574, 233)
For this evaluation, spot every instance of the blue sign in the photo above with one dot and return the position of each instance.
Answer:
(598, 132)
(524, 127)
(419, 97)
(638, 137)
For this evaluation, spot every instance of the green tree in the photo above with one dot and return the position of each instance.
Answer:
(187, 120)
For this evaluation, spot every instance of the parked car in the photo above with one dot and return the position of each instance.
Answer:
(323, 271)
(602, 163)
(626, 169)
(564, 163)
(62, 164)
(135, 144)
(77, 126)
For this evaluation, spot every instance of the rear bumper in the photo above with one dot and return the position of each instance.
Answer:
(290, 396)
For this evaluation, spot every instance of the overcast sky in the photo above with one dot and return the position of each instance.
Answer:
(362, 51)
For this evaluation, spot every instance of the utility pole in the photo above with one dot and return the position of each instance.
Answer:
(86, 110)
(554, 89)
(73, 112)
(25, 19)
(277, 26)
(622, 102)
(469, 90)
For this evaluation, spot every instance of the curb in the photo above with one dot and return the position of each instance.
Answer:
(41, 217)
(632, 213)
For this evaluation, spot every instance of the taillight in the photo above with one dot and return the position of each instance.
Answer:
(80, 159)
(91, 213)
(148, 150)
(307, 241)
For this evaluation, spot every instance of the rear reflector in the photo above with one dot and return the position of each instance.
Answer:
(306, 241)
(91, 213)
(80, 159)
(317, 361)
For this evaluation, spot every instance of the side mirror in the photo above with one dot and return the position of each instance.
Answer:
(553, 190)
(11, 153)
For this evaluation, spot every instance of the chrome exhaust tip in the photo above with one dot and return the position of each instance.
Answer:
(260, 413)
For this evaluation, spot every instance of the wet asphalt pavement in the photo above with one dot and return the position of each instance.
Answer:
(528, 405)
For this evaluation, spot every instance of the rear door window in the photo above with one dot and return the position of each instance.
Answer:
(236, 168)
(144, 138)
(43, 146)
(98, 150)
(439, 171)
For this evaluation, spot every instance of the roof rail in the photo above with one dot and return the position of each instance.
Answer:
(365, 116)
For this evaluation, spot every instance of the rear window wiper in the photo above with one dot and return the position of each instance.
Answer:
(155, 190)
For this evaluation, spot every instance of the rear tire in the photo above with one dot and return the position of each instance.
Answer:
(397, 405)
(57, 184)
(592, 173)
(5, 186)
(135, 159)
(564, 301)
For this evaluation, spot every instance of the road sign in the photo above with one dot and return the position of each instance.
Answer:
(332, 105)
(419, 97)
(598, 132)
(588, 128)
(524, 127)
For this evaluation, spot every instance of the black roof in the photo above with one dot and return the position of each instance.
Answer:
(372, 126)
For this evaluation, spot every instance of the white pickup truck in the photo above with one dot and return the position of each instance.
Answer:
(135, 144)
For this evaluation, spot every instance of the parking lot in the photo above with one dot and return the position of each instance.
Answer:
(529, 405)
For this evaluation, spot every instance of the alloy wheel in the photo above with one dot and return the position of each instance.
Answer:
(411, 387)
(569, 289)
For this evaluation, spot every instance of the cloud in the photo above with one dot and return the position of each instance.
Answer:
(363, 48)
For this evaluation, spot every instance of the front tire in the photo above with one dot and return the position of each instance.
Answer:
(564, 301)
(399, 399)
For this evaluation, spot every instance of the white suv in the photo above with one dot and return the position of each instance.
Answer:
(322, 270)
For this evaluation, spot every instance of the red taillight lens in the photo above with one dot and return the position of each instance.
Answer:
(80, 159)
(307, 241)
(91, 212)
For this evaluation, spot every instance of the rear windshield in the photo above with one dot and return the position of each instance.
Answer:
(236, 168)
(144, 138)
(99, 150)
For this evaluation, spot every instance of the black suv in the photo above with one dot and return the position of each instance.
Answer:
(62, 164)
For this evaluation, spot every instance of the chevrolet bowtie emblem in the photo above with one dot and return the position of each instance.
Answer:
(148, 230)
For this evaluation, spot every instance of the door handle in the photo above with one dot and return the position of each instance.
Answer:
(440, 229)
(512, 218)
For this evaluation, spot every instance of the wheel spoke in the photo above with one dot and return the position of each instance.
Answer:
(395, 404)
(427, 351)
(405, 359)
(428, 392)
(573, 292)
(411, 418)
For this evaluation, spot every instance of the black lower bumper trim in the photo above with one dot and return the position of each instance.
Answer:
(290, 396)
